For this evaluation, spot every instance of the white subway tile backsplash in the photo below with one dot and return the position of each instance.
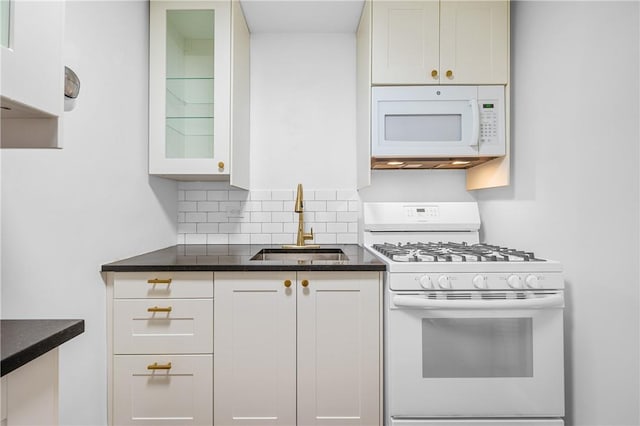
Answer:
(325, 195)
(347, 238)
(261, 216)
(217, 217)
(260, 239)
(216, 213)
(217, 238)
(239, 239)
(207, 228)
(187, 206)
(251, 206)
(217, 195)
(337, 227)
(315, 206)
(196, 195)
(239, 195)
(195, 239)
(282, 195)
(283, 238)
(251, 228)
(346, 195)
(272, 228)
(282, 216)
(326, 216)
(261, 195)
(208, 206)
(272, 206)
(229, 228)
(337, 206)
(196, 217)
(325, 239)
(186, 228)
(347, 216)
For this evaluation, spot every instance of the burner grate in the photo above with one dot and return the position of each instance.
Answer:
(452, 252)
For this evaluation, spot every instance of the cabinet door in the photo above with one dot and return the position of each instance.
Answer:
(32, 75)
(405, 42)
(339, 346)
(474, 42)
(255, 348)
(189, 88)
(173, 390)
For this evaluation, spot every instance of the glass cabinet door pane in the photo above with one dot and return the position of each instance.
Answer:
(189, 84)
(5, 22)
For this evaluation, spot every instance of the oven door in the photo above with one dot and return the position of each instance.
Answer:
(495, 355)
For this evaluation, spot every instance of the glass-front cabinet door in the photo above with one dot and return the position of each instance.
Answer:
(189, 89)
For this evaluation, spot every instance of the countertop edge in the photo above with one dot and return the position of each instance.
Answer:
(33, 351)
(241, 268)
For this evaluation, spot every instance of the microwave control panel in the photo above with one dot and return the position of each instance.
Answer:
(488, 122)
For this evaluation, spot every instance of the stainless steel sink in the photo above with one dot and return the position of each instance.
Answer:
(294, 255)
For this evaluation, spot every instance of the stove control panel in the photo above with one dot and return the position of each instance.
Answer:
(527, 281)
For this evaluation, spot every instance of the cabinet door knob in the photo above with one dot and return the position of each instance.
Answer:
(221, 165)
(434, 73)
(287, 283)
(449, 74)
(305, 283)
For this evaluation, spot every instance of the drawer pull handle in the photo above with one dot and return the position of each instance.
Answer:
(305, 283)
(159, 281)
(157, 309)
(287, 283)
(156, 366)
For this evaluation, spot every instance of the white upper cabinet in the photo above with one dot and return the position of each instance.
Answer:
(32, 73)
(440, 42)
(198, 52)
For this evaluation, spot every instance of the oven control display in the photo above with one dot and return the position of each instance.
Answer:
(422, 212)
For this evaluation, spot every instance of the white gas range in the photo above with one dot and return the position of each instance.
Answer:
(473, 332)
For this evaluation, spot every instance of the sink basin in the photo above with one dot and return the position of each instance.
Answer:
(301, 254)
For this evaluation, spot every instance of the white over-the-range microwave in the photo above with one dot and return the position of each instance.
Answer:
(436, 126)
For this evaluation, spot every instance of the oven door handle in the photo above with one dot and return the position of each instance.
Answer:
(550, 301)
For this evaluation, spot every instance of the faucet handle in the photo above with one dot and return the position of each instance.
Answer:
(308, 236)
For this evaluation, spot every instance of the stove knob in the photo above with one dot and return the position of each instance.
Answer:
(425, 281)
(532, 281)
(514, 281)
(480, 282)
(444, 281)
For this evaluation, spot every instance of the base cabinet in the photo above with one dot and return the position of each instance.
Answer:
(160, 348)
(297, 348)
(29, 394)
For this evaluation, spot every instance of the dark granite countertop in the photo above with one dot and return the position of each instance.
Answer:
(23, 340)
(236, 257)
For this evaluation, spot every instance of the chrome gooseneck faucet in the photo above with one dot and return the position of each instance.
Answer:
(302, 236)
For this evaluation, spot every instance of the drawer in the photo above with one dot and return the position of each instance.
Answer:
(147, 326)
(135, 285)
(175, 396)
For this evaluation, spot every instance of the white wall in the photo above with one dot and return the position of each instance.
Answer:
(575, 190)
(303, 111)
(66, 212)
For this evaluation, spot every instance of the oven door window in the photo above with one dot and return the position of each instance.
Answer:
(477, 347)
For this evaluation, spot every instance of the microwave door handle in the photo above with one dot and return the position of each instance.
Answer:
(475, 127)
(551, 301)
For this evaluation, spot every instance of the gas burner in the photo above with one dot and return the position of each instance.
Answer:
(452, 252)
